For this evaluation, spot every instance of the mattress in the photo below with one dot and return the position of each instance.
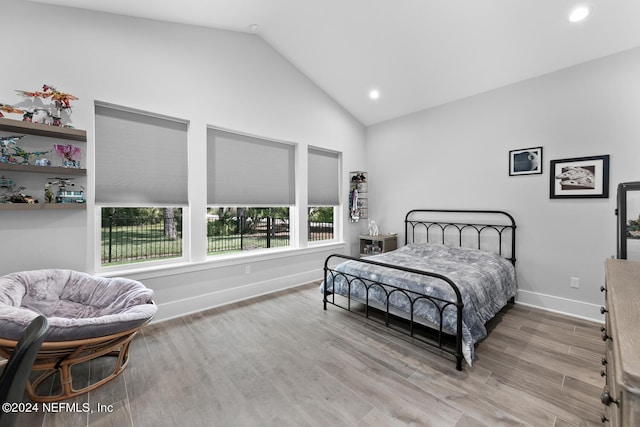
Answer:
(486, 282)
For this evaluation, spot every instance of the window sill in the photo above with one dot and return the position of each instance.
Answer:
(168, 268)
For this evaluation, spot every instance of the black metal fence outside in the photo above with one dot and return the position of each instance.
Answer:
(135, 239)
(320, 231)
(266, 233)
(243, 234)
(139, 239)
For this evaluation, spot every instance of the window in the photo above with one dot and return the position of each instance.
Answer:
(140, 234)
(141, 190)
(321, 220)
(250, 190)
(324, 193)
(141, 184)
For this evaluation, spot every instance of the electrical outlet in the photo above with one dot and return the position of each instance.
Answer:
(247, 269)
(575, 282)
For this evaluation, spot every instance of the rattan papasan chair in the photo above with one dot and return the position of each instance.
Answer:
(89, 317)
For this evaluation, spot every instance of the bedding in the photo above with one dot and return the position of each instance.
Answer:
(486, 282)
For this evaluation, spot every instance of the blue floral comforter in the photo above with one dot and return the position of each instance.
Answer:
(486, 282)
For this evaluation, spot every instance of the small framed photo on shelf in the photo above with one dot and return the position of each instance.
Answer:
(581, 177)
(526, 161)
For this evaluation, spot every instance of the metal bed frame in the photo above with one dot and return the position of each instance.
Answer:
(503, 227)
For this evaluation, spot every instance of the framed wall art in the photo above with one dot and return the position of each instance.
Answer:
(526, 161)
(582, 177)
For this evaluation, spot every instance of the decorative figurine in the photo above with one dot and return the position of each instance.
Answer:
(7, 185)
(69, 154)
(9, 109)
(6, 182)
(18, 197)
(26, 155)
(7, 142)
(61, 101)
(10, 194)
(63, 195)
(38, 115)
(13, 195)
(373, 228)
(48, 194)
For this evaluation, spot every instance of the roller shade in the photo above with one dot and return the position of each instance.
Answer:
(249, 171)
(323, 178)
(140, 159)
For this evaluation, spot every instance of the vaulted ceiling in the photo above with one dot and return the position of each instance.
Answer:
(416, 53)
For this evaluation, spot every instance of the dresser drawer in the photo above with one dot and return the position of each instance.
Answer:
(609, 396)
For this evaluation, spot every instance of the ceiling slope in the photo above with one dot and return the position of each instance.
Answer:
(417, 53)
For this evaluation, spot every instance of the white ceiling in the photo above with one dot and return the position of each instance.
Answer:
(418, 53)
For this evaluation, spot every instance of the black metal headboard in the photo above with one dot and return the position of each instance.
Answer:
(494, 231)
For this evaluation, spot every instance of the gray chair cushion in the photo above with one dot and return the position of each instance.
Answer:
(77, 305)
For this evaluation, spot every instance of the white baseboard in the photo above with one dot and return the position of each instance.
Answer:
(198, 303)
(560, 305)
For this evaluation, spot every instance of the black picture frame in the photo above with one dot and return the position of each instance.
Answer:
(579, 178)
(525, 161)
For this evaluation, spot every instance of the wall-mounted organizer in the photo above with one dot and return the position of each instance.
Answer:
(358, 199)
(48, 178)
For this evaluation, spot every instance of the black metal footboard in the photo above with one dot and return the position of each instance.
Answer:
(412, 297)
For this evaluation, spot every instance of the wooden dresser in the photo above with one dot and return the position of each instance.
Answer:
(621, 332)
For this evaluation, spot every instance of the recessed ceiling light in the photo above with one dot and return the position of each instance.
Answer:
(579, 13)
(254, 28)
(374, 94)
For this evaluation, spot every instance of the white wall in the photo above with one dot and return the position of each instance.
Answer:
(456, 156)
(453, 156)
(208, 77)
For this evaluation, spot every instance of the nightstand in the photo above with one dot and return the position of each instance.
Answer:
(373, 245)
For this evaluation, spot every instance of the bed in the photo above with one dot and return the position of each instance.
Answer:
(451, 277)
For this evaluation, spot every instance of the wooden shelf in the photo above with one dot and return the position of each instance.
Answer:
(68, 134)
(41, 206)
(51, 170)
(18, 126)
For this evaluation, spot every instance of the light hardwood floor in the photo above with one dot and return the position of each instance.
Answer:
(280, 360)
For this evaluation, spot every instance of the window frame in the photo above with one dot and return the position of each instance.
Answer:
(192, 256)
